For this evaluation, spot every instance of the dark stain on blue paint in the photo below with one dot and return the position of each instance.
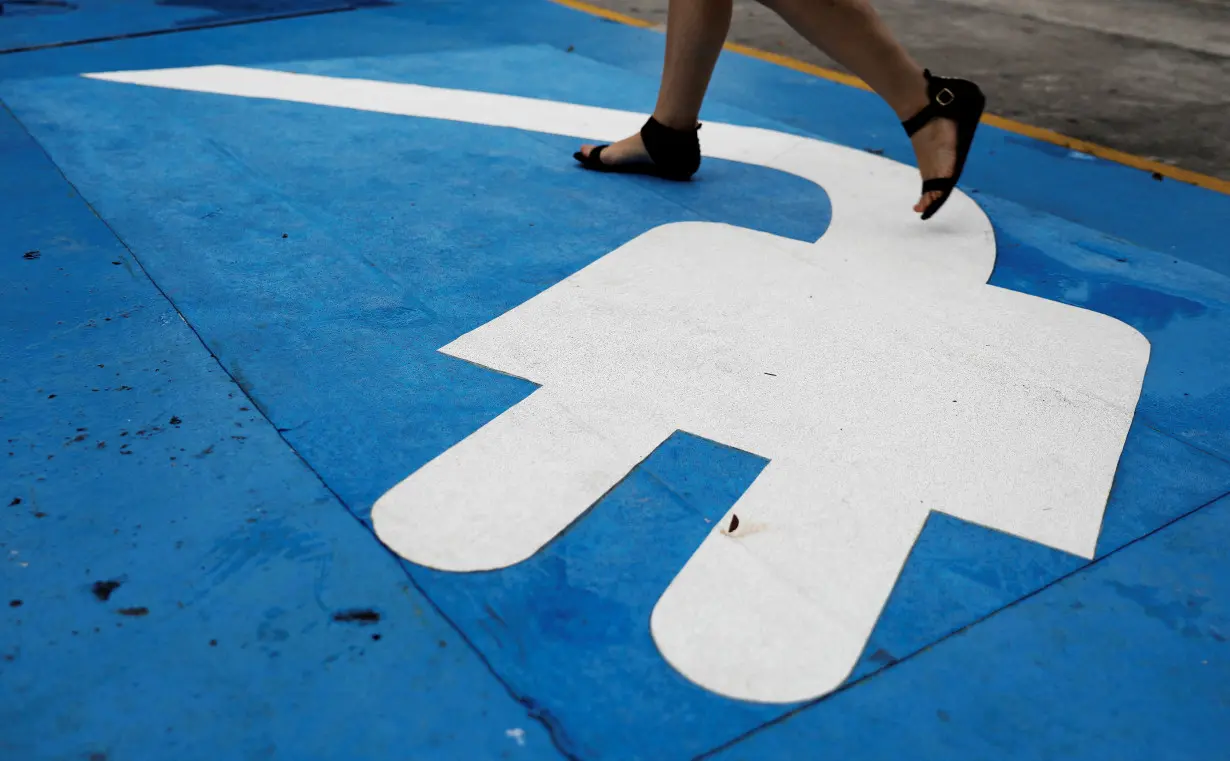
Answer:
(882, 657)
(222, 11)
(574, 613)
(238, 7)
(228, 10)
(35, 7)
(1179, 615)
(363, 616)
(103, 589)
(1023, 267)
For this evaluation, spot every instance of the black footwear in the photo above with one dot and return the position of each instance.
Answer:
(675, 154)
(962, 102)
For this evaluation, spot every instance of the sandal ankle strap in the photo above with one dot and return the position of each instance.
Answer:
(674, 151)
(940, 98)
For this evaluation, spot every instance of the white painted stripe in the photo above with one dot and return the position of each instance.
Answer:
(875, 368)
(856, 181)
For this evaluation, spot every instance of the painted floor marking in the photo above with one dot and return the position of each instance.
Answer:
(875, 369)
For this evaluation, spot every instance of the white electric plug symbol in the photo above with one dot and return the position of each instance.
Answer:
(875, 369)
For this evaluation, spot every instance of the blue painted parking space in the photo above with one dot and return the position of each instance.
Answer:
(224, 317)
(165, 551)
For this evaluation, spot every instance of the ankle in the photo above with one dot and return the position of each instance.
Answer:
(675, 121)
(911, 98)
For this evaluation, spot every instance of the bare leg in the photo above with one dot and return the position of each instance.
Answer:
(695, 33)
(849, 31)
(852, 33)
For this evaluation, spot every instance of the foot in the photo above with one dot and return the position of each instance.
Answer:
(935, 147)
(630, 150)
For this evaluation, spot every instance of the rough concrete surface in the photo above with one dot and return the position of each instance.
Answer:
(1149, 77)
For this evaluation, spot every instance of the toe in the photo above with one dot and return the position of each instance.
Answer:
(925, 201)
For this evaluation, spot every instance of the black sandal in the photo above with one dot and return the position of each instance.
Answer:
(961, 101)
(675, 154)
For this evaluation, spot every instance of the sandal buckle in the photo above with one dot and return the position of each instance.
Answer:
(945, 93)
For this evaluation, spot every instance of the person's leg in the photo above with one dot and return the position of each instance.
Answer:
(695, 33)
(852, 33)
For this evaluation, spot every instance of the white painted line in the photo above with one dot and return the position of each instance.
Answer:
(875, 369)
(856, 181)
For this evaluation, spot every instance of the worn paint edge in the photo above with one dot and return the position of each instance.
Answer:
(1010, 125)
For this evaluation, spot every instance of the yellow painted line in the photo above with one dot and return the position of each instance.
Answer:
(1010, 125)
(594, 10)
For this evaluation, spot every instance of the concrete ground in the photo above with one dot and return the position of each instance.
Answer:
(1149, 77)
